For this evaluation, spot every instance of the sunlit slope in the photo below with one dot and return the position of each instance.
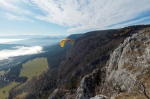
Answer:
(22, 96)
(6, 89)
(34, 67)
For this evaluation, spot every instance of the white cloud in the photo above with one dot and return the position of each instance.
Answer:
(19, 51)
(12, 6)
(79, 14)
(9, 40)
(144, 20)
(89, 14)
(6, 4)
(11, 10)
(12, 17)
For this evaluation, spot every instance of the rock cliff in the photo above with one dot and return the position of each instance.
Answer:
(127, 72)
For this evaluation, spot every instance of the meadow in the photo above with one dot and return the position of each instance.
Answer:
(6, 89)
(2, 72)
(34, 67)
(30, 69)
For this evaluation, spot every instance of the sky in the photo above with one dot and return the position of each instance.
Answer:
(65, 17)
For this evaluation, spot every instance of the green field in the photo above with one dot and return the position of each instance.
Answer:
(2, 72)
(34, 67)
(6, 89)
(30, 69)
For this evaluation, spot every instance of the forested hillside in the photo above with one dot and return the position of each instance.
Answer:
(69, 64)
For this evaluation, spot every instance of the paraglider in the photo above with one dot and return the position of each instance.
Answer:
(62, 42)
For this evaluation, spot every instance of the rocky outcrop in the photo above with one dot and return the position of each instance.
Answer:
(58, 94)
(53, 95)
(128, 61)
(100, 97)
(127, 70)
(89, 83)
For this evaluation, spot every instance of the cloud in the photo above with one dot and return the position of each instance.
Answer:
(79, 15)
(6, 4)
(89, 14)
(12, 17)
(20, 51)
(9, 40)
(11, 10)
(144, 20)
(12, 6)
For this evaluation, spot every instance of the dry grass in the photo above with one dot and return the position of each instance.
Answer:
(125, 95)
(148, 70)
(137, 94)
(130, 68)
(147, 30)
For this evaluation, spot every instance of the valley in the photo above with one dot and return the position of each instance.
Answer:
(78, 71)
(74, 49)
(30, 69)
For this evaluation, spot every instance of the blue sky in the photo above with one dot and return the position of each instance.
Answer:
(64, 17)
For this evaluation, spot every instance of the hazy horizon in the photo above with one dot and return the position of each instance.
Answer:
(27, 44)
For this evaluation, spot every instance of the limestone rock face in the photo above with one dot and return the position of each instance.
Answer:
(129, 60)
(100, 97)
(126, 71)
(53, 95)
(86, 89)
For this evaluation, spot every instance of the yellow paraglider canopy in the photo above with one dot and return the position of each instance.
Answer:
(62, 42)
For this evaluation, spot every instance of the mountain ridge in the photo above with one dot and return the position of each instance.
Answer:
(91, 51)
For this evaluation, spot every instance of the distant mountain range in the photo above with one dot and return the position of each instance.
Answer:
(29, 36)
(33, 40)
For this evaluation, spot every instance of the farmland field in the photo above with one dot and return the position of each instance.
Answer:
(30, 69)
(6, 89)
(2, 72)
(34, 67)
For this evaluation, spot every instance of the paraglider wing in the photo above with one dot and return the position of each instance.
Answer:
(62, 42)
(70, 41)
